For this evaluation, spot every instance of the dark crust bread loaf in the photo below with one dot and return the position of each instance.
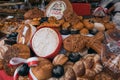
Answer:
(74, 43)
(33, 13)
(17, 50)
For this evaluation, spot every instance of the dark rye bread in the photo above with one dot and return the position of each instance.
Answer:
(74, 43)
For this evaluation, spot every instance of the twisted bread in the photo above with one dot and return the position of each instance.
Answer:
(60, 59)
(103, 76)
(69, 74)
(88, 67)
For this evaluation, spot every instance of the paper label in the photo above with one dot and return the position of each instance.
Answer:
(56, 9)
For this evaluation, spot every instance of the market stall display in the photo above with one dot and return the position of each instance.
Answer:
(65, 46)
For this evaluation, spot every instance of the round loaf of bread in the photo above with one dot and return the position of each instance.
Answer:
(17, 50)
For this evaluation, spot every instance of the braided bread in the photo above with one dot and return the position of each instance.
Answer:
(88, 67)
(60, 59)
(103, 76)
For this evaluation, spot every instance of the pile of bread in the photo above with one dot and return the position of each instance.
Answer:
(89, 67)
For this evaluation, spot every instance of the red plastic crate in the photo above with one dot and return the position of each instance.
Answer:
(82, 9)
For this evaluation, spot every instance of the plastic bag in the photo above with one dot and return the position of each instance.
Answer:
(111, 54)
(100, 12)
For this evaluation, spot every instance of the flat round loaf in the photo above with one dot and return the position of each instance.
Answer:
(17, 50)
(74, 43)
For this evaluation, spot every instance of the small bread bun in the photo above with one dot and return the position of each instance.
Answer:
(35, 22)
(88, 24)
(52, 19)
(60, 22)
(66, 25)
(78, 26)
(84, 31)
(80, 17)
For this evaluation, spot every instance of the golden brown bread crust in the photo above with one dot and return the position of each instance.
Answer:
(60, 22)
(79, 68)
(52, 19)
(109, 25)
(35, 22)
(53, 25)
(43, 70)
(9, 27)
(60, 59)
(74, 19)
(74, 43)
(79, 78)
(69, 74)
(96, 42)
(88, 67)
(89, 25)
(103, 76)
(68, 65)
(27, 36)
(66, 25)
(84, 31)
(33, 13)
(78, 26)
